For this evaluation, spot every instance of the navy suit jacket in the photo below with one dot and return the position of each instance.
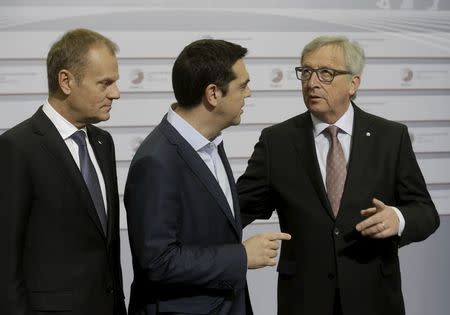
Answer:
(186, 245)
(57, 257)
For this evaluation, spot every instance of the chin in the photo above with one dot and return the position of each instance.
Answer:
(101, 118)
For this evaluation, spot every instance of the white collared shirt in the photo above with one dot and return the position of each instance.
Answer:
(66, 129)
(345, 124)
(205, 150)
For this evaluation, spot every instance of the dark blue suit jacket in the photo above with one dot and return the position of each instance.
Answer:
(186, 245)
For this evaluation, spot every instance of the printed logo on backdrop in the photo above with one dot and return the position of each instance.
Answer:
(136, 78)
(407, 76)
(276, 78)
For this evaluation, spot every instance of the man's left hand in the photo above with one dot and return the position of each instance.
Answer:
(381, 221)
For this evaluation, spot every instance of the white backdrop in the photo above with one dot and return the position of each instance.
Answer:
(407, 78)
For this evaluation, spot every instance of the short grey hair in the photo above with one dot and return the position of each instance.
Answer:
(353, 53)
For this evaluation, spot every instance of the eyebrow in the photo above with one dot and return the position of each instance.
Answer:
(245, 83)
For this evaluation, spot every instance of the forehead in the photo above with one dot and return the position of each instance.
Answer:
(326, 56)
(101, 61)
(240, 70)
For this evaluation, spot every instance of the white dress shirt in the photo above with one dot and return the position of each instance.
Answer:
(345, 124)
(207, 150)
(66, 129)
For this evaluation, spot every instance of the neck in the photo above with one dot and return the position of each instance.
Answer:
(60, 105)
(201, 119)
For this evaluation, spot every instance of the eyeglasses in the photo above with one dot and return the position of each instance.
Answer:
(325, 75)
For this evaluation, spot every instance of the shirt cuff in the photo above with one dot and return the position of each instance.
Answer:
(401, 221)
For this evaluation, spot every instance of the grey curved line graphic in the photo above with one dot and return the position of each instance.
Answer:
(428, 19)
(183, 20)
(428, 39)
(377, 23)
(407, 26)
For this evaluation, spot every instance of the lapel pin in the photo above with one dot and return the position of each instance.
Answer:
(367, 134)
(99, 142)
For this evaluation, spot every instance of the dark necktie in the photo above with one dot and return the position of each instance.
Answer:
(336, 170)
(90, 176)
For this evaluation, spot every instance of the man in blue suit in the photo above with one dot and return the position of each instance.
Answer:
(182, 206)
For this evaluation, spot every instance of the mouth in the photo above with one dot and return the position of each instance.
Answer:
(314, 98)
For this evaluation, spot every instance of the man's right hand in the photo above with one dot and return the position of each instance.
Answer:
(262, 249)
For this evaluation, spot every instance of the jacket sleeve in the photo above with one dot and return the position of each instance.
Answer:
(413, 198)
(15, 196)
(253, 186)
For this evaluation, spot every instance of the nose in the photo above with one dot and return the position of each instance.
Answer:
(248, 92)
(114, 92)
(313, 81)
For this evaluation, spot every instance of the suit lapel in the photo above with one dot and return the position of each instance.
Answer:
(234, 194)
(55, 145)
(98, 143)
(360, 155)
(306, 148)
(199, 168)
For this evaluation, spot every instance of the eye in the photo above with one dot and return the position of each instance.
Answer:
(305, 74)
(326, 74)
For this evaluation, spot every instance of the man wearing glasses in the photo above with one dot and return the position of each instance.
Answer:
(346, 186)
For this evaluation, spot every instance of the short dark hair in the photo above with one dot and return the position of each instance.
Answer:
(70, 51)
(204, 62)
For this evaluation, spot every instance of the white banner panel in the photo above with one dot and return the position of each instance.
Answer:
(238, 141)
(122, 173)
(148, 109)
(138, 110)
(123, 214)
(407, 107)
(16, 110)
(127, 141)
(23, 78)
(441, 199)
(435, 170)
(430, 139)
(168, 44)
(265, 75)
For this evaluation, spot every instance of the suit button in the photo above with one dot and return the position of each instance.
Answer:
(336, 231)
(110, 290)
(330, 276)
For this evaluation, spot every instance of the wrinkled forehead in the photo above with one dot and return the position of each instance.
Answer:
(324, 56)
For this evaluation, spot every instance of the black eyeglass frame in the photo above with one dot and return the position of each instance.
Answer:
(335, 72)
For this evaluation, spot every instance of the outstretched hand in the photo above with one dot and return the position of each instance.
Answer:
(262, 249)
(381, 221)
